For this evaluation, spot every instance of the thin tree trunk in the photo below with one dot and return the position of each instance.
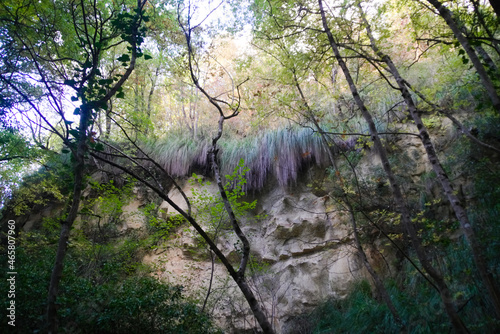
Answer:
(209, 290)
(108, 120)
(446, 14)
(79, 171)
(240, 274)
(379, 285)
(150, 96)
(62, 246)
(442, 176)
(480, 17)
(440, 283)
(455, 121)
(486, 58)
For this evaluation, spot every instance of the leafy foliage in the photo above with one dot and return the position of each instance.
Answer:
(417, 303)
(16, 155)
(49, 184)
(158, 227)
(105, 288)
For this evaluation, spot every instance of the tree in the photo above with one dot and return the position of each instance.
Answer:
(297, 66)
(437, 277)
(233, 106)
(51, 56)
(447, 15)
(460, 212)
(147, 171)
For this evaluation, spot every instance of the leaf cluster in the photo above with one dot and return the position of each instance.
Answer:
(98, 293)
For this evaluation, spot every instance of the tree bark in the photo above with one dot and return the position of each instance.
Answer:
(107, 115)
(437, 277)
(446, 14)
(486, 58)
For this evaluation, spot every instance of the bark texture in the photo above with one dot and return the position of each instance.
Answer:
(62, 247)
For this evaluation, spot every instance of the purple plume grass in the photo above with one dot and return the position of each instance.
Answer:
(281, 154)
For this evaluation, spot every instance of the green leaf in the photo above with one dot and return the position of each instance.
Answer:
(120, 95)
(74, 98)
(124, 58)
(99, 147)
(105, 81)
(74, 133)
(147, 57)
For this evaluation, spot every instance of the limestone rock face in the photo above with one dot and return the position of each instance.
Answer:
(302, 250)
(301, 254)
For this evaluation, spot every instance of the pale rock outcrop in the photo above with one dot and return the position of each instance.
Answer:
(302, 249)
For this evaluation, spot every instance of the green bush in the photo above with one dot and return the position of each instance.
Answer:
(103, 294)
(417, 302)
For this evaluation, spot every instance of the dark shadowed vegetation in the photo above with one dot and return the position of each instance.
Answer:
(389, 110)
(106, 287)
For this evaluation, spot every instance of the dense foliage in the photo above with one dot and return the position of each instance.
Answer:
(106, 288)
(97, 97)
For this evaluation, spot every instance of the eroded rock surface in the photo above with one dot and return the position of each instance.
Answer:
(302, 253)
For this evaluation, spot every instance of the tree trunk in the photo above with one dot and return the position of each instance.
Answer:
(446, 14)
(455, 121)
(486, 58)
(239, 276)
(62, 247)
(442, 176)
(481, 19)
(379, 285)
(107, 114)
(79, 173)
(397, 194)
